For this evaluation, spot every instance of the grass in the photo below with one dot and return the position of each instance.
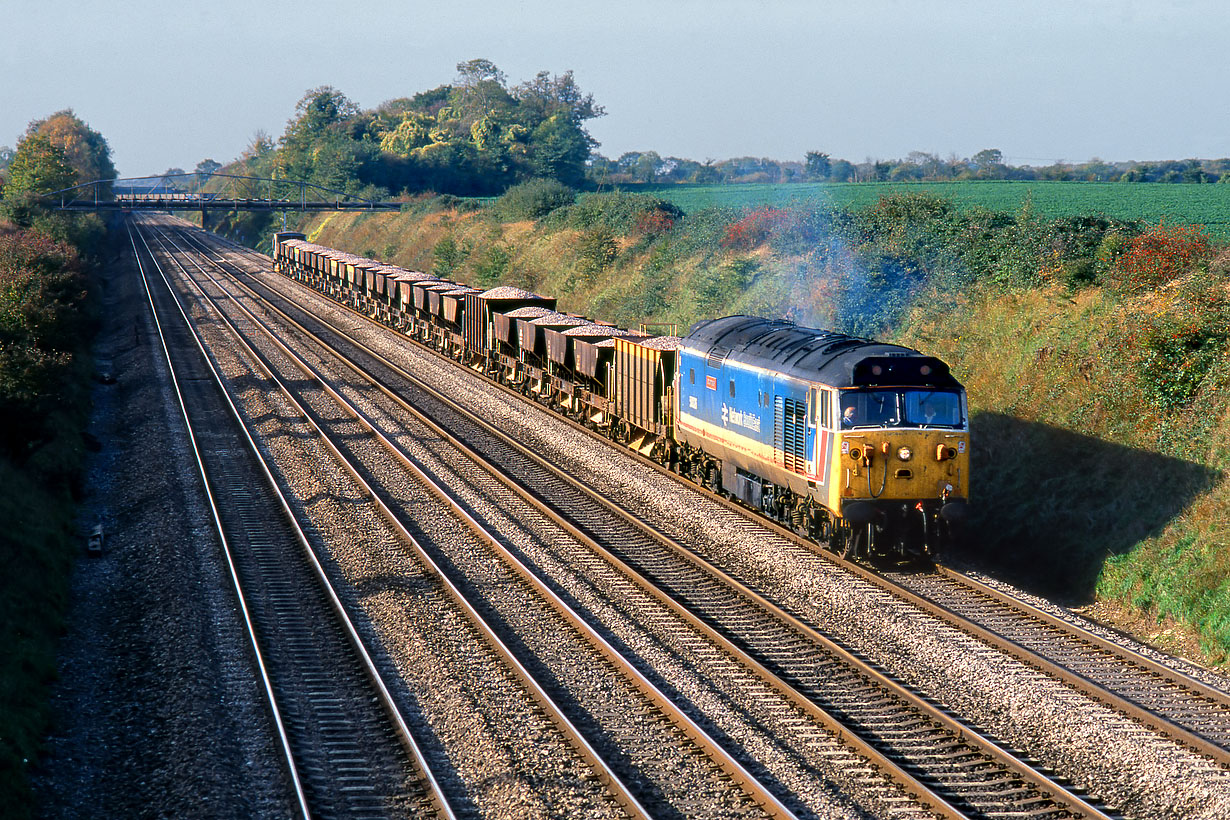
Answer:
(1207, 205)
(1087, 486)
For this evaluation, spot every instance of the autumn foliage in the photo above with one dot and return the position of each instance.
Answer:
(1161, 255)
(754, 229)
(654, 221)
(41, 291)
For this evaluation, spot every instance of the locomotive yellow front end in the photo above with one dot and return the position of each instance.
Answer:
(902, 468)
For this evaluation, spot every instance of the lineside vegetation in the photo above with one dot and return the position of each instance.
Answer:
(1094, 349)
(46, 324)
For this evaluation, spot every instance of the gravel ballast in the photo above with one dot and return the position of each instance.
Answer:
(1136, 771)
(156, 709)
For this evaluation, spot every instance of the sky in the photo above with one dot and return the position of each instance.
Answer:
(169, 84)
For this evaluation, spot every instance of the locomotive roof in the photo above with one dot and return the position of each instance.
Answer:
(815, 355)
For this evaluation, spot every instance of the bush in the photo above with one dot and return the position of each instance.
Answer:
(654, 221)
(1160, 255)
(618, 211)
(1180, 346)
(1079, 273)
(533, 199)
(754, 230)
(447, 257)
(1177, 354)
(1110, 250)
(596, 251)
(42, 292)
(719, 288)
(492, 267)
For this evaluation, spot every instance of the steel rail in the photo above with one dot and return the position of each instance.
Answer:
(435, 793)
(937, 803)
(834, 726)
(676, 715)
(288, 755)
(622, 793)
(1080, 683)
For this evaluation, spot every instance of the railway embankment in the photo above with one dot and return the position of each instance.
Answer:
(1094, 350)
(45, 382)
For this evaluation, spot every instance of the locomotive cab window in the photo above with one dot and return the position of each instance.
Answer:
(901, 408)
(870, 408)
(691, 375)
(932, 408)
(732, 388)
(825, 398)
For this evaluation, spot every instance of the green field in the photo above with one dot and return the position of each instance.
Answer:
(1207, 205)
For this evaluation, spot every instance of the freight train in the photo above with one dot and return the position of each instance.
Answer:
(859, 445)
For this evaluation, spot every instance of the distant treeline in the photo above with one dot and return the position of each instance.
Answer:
(648, 166)
(479, 135)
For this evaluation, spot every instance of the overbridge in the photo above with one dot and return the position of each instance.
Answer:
(208, 192)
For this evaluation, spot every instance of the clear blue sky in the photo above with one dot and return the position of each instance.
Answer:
(171, 83)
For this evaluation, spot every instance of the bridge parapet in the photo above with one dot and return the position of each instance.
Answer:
(208, 192)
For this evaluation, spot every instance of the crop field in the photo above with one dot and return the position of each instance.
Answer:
(1207, 205)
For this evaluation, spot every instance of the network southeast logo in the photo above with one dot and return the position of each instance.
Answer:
(748, 421)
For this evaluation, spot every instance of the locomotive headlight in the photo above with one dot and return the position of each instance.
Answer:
(904, 453)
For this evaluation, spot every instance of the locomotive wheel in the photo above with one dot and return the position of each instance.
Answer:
(852, 542)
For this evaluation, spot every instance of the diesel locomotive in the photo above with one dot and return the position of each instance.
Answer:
(859, 445)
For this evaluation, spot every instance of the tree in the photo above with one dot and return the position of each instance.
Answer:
(414, 131)
(207, 166)
(473, 73)
(173, 179)
(989, 162)
(84, 149)
(818, 165)
(548, 96)
(842, 171)
(706, 173)
(41, 289)
(39, 167)
(558, 149)
(260, 145)
(647, 165)
(479, 92)
(320, 113)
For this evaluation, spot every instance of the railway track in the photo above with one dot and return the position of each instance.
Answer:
(347, 750)
(622, 716)
(935, 749)
(1161, 698)
(1164, 699)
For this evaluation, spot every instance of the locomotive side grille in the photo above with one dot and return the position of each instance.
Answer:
(790, 434)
